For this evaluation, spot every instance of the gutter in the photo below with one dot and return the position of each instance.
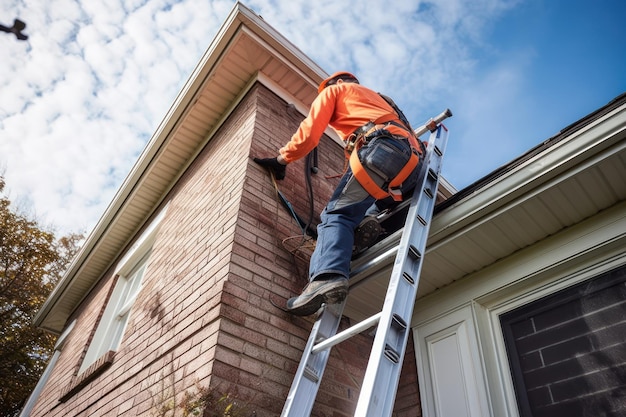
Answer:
(505, 169)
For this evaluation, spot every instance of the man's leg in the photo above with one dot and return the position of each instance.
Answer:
(329, 268)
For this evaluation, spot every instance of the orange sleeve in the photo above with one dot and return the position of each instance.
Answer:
(311, 128)
(345, 107)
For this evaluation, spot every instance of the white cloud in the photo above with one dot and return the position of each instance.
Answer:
(82, 97)
(96, 77)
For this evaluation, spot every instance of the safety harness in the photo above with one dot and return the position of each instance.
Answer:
(363, 135)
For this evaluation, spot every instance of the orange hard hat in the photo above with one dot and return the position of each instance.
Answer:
(335, 76)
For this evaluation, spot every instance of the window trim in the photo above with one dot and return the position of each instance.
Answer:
(100, 350)
(488, 310)
(43, 380)
(109, 332)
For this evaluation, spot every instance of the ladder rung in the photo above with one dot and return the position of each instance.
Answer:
(311, 374)
(414, 252)
(399, 322)
(392, 354)
(347, 333)
(422, 220)
(377, 261)
(437, 150)
(408, 278)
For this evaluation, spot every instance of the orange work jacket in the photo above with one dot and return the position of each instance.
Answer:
(345, 107)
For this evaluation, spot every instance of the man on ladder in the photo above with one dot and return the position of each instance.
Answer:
(384, 155)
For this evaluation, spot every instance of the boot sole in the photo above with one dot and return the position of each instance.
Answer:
(334, 296)
(366, 234)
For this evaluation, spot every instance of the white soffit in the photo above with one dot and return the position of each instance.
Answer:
(568, 180)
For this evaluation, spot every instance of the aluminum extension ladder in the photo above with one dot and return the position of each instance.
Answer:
(380, 383)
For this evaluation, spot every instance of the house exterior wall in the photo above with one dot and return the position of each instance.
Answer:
(172, 332)
(476, 303)
(205, 317)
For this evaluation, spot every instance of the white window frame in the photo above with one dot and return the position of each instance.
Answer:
(130, 271)
(489, 312)
(58, 347)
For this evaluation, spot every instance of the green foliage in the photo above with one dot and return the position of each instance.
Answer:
(211, 402)
(31, 262)
(199, 401)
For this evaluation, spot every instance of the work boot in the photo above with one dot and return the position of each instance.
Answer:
(332, 290)
(366, 233)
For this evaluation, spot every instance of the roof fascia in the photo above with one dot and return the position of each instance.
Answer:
(561, 159)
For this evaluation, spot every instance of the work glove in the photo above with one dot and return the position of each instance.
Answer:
(276, 167)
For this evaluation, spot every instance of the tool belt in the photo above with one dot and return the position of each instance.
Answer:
(366, 135)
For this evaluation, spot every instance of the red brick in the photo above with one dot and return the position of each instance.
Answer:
(205, 312)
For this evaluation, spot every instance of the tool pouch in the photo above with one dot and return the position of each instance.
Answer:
(384, 155)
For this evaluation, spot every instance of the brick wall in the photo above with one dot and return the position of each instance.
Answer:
(267, 342)
(206, 318)
(170, 341)
(408, 396)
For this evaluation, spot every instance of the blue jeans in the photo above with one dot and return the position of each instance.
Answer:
(382, 158)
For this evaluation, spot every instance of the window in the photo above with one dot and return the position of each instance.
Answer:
(566, 350)
(130, 273)
(113, 323)
(130, 290)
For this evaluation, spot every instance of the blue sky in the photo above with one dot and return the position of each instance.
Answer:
(80, 99)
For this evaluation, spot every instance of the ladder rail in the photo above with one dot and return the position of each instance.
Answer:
(392, 326)
(380, 383)
(309, 374)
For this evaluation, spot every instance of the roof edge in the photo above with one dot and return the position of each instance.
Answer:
(510, 166)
